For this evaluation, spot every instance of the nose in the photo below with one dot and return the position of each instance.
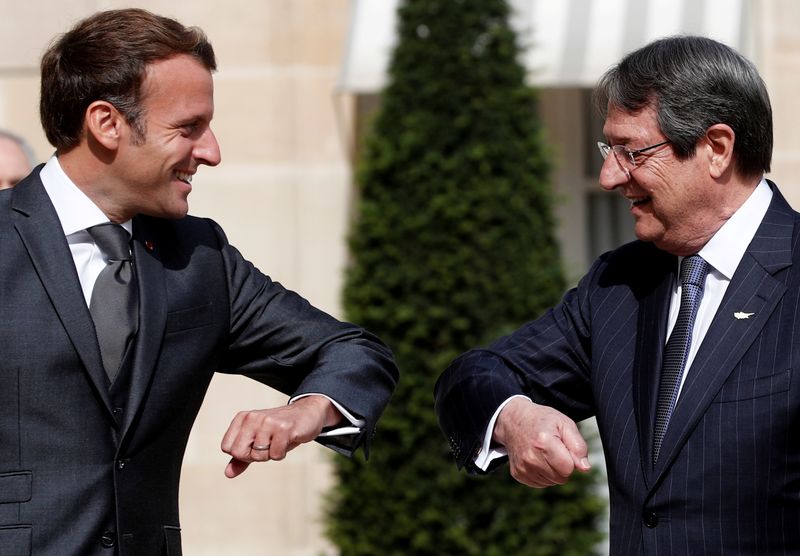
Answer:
(612, 174)
(206, 150)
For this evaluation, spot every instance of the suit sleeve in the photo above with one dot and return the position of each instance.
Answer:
(279, 339)
(547, 360)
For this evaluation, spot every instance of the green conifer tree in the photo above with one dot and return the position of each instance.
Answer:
(453, 246)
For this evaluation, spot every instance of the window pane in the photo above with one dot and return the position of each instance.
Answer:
(610, 222)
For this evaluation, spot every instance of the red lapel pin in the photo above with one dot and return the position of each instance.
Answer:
(149, 245)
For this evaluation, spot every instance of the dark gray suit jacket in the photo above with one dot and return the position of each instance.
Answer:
(728, 476)
(85, 468)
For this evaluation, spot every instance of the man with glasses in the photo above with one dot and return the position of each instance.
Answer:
(682, 343)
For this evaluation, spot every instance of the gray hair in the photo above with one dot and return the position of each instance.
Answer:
(694, 83)
(26, 148)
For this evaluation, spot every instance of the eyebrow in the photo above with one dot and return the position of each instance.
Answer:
(618, 140)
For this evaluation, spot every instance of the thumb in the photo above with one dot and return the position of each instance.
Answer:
(578, 449)
(235, 468)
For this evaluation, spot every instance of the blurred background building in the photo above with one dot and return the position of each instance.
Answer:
(297, 83)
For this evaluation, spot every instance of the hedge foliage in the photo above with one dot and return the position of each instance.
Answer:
(452, 246)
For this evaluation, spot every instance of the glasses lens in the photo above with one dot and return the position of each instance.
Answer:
(624, 156)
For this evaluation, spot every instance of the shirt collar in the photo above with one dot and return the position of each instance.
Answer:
(75, 210)
(726, 248)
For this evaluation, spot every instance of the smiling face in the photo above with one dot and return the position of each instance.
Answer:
(154, 173)
(676, 204)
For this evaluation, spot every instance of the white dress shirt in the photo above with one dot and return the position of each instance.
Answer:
(723, 252)
(77, 213)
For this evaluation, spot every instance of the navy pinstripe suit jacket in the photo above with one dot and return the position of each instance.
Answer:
(728, 476)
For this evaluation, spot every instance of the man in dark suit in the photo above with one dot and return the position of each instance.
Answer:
(118, 308)
(682, 344)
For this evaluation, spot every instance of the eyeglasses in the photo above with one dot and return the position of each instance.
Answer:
(625, 156)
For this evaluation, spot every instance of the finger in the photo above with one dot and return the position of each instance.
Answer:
(583, 464)
(259, 451)
(279, 445)
(577, 446)
(531, 474)
(235, 468)
(241, 449)
(556, 463)
(250, 429)
(232, 433)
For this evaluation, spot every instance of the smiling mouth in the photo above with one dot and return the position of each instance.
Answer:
(185, 177)
(638, 201)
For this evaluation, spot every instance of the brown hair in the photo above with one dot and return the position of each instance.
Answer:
(104, 57)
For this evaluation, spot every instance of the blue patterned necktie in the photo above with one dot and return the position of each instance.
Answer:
(114, 305)
(693, 277)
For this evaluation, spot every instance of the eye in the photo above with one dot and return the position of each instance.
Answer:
(189, 128)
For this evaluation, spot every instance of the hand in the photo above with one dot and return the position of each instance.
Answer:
(277, 430)
(544, 445)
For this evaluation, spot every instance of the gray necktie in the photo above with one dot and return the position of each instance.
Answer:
(115, 301)
(693, 277)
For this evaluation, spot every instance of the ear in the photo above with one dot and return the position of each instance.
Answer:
(719, 139)
(105, 124)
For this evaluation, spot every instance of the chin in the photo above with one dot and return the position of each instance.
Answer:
(647, 231)
(171, 213)
(178, 214)
(643, 235)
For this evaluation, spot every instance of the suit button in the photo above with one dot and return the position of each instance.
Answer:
(650, 519)
(122, 463)
(109, 539)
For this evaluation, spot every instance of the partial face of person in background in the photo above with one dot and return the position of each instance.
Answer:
(14, 163)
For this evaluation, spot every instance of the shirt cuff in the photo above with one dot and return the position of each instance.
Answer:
(355, 427)
(488, 452)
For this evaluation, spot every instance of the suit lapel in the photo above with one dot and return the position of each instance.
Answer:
(753, 289)
(40, 230)
(152, 314)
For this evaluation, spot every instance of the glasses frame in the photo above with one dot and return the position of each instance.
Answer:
(629, 153)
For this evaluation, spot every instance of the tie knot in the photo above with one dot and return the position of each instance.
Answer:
(112, 240)
(694, 270)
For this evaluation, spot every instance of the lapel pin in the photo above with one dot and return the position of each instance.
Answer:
(740, 315)
(149, 246)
